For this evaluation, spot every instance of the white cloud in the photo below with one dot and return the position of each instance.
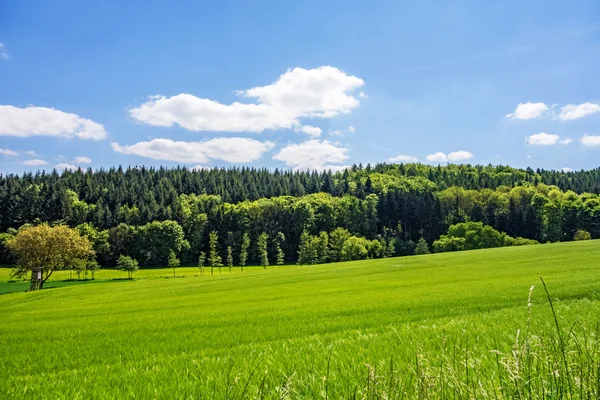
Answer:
(31, 153)
(528, 111)
(3, 54)
(529, 156)
(403, 159)
(200, 167)
(82, 160)
(8, 152)
(35, 162)
(567, 169)
(310, 130)
(335, 168)
(573, 111)
(363, 95)
(459, 156)
(565, 141)
(437, 157)
(312, 154)
(62, 166)
(339, 132)
(42, 121)
(323, 92)
(542, 139)
(234, 150)
(590, 140)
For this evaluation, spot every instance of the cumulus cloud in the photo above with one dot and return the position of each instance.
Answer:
(310, 130)
(567, 169)
(31, 153)
(323, 92)
(313, 154)
(459, 156)
(573, 111)
(8, 152)
(42, 121)
(437, 157)
(35, 162)
(546, 139)
(200, 167)
(528, 111)
(590, 140)
(351, 129)
(403, 159)
(82, 160)
(234, 150)
(63, 166)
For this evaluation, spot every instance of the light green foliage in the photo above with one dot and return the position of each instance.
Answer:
(98, 239)
(156, 239)
(229, 257)
(127, 264)
(582, 234)
(173, 262)
(336, 241)
(244, 249)
(92, 266)
(355, 248)
(214, 259)
(422, 247)
(280, 255)
(261, 245)
(475, 235)
(201, 261)
(299, 333)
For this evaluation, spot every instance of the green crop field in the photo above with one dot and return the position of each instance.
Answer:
(453, 325)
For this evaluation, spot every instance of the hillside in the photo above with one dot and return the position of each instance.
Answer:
(367, 329)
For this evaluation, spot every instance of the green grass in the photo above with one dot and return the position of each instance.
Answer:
(452, 325)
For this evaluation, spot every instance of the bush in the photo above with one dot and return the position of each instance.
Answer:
(422, 247)
(127, 264)
(582, 234)
(476, 235)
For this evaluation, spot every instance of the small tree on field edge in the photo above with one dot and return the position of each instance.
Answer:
(127, 264)
(229, 257)
(262, 249)
(582, 234)
(244, 250)
(173, 261)
(422, 247)
(201, 262)
(214, 259)
(279, 239)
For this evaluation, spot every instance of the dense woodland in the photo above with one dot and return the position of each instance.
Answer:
(123, 211)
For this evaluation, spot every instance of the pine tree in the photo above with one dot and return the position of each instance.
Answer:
(422, 247)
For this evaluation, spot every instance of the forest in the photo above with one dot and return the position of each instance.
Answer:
(287, 216)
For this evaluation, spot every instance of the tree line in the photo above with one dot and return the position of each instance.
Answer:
(385, 210)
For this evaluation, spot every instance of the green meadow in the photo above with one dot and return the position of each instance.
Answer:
(453, 325)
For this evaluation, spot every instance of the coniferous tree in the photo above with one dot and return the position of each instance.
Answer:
(244, 250)
(214, 259)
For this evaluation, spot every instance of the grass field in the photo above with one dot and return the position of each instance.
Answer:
(454, 325)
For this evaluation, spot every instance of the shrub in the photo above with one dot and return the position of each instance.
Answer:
(582, 234)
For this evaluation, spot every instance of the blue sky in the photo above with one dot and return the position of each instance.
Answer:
(308, 84)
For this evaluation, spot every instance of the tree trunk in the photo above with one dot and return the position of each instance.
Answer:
(36, 282)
